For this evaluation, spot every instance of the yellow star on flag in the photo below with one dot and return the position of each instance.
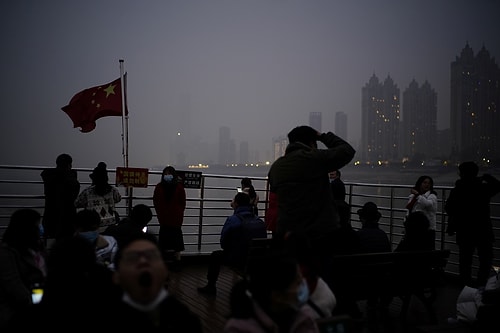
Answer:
(110, 90)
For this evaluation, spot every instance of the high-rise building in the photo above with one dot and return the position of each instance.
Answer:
(379, 121)
(419, 125)
(244, 153)
(279, 147)
(475, 106)
(315, 120)
(341, 124)
(224, 145)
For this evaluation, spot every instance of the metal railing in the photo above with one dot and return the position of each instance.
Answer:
(208, 207)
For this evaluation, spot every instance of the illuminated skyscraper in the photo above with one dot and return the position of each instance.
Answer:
(475, 106)
(419, 125)
(379, 121)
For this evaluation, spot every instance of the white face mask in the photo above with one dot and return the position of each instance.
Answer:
(168, 178)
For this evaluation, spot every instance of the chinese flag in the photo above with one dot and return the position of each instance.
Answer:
(93, 103)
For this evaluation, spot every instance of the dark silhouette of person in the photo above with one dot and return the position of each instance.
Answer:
(61, 188)
(78, 293)
(22, 262)
(247, 186)
(418, 236)
(371, 237)
(272, 299)
(468, 207)
(337, 185)
(139, 218)
(300, 181)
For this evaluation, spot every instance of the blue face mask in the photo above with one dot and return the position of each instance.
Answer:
(91, 236)
(302, 294)
(168, 178)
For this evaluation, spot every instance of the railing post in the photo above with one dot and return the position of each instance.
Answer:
(200, 217)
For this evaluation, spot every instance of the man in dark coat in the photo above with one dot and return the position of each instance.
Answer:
(301, 183)
(61, 188)
(468, 207)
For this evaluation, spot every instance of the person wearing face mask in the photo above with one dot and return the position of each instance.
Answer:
(87, 223)
(169, 200)
(272, 298)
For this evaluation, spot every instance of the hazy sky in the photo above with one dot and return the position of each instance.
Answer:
(257, 66)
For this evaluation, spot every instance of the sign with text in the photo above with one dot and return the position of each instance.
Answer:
(132, 177)
(190, 179)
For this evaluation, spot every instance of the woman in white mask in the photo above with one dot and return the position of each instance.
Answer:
(169, 199)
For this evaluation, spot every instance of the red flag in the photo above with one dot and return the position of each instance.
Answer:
(93, 103)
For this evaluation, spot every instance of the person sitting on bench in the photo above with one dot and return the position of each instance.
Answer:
(236, 234)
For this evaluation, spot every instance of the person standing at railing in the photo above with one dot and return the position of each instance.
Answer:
(337, 185)
(61, 188)
(468, 207)
(300, 181)
(100, 196)
(169, 199)
(248, 188)
(424, 199)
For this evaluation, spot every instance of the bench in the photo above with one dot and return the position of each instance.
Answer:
(358, 277)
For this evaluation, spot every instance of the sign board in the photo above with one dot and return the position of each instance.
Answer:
(132, 177)
(191, 179)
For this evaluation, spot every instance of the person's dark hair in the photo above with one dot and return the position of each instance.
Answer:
(71, 264)
(242, 199)
(338, 173)
(100, 179)
(304, 134)
(139, 235)
(63, 161)
(87, 220)
(274, 271)
(23, 231)
(421, 179)
(369, 212)
(246, 182)
(141, 214)
(468, 169)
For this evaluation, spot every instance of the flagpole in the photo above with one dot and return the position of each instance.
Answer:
(124, 117)
(128, 190)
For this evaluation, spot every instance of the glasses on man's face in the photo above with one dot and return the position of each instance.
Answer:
(135, 256)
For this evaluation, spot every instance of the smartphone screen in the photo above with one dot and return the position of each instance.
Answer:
(36, 295)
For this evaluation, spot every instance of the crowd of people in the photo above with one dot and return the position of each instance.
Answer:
(116, 263)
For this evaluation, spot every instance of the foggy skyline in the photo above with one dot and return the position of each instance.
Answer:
(258, 67)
